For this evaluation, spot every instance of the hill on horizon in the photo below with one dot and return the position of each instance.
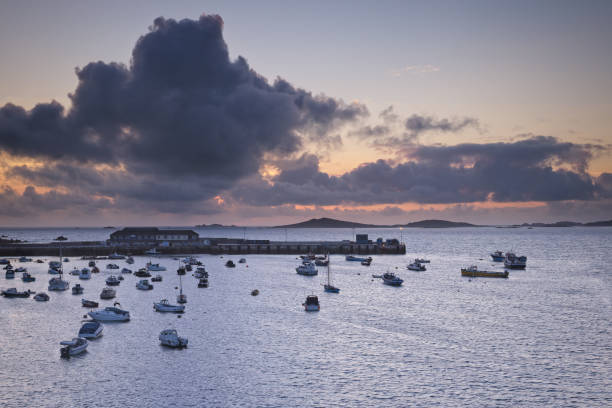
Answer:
(333, 223)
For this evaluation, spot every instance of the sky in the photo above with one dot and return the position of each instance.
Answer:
(266, 113)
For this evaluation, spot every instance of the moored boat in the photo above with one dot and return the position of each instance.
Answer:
(144, 284)
(108, 293)
(170, 338)
(357, 258)
(112, 281)
(91, 330)
(77, 289)
(142, 273)
(73, 347)
(58, 284)
(230, 264)
(307, 269)
(41, 297)
(10, 274)
(473, 272)
(26, 277)
(203, 283)
(156, 278)
(416, 266)
(85, 274)
(511, 261)
(311, 304)
(14, 293)
(390, 279)
(155, 267)
(110, 314)
(88, 303)
(165, 306)
(497, 256)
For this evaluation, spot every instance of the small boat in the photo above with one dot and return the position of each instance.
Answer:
(13, 293)
(181, 270)
(120, 277)
(91, 330)
(165, 306)
(157, 278)
(144, 285)
(152, 251)
(41, 297)
(95, 269)
(21, 269)
(498, 256)
(10, 274)
(255, 292)
(422, 260)
(112, 266)
(40, 261)
(54, 271)
(142, 273)
(511, 261)
(77, 289)
(112, 281)
(55, 264)
(126, 270)
(110, 314)
(92, 264)
(61, 238)
(367, 262)
(416, 266)
(66, 260)
(115, 255)
(188, 268)
(8, 267)
(230, 264)
(242, 260)
(329, 287)
(203, 283)
(88, 303)
(129, 260)
(75, 271)
(321, 262)
(108, 293)
(200, 273)
(85, 274)
(155, 267)
(358, 259)
(181, 298)
(473, 272)
(24, 259)
(58, 284)
(311, 304)
(390, 279)
(4, 261)
(307, 269)
(73, 347)
(26, 277)
(170, 338)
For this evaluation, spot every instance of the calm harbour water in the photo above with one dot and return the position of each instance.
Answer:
(540, 338)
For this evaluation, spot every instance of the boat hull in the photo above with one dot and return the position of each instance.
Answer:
(484, 274)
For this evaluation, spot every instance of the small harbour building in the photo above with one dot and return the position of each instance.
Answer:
(153, 237)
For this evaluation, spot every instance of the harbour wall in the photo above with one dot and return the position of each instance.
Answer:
(274, 248)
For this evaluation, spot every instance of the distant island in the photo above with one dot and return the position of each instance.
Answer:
(215, 226)
(333, 223)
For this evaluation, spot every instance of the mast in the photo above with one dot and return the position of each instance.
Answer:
(328, 272)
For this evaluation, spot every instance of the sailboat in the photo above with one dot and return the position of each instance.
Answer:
(58, 283)
(329, 287)
(181, 298)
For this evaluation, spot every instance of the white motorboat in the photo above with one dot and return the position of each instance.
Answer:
(58, 284)
(108, 293)
(170, 338)
(155, 267)
(75, 271)
(416, 266)
(164, 306)
(41, 297)
(85, 274)
(73, 347)
(115, 255)
(390, 279)
(311, 304)
(307, 268)
(91, 330)
(144, 284)
(110, 314)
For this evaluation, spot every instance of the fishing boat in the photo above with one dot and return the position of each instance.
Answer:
(165, 306)
(13, 293)
(112, 281)
(329, 287)
(156, 278)
(511, 261)
(73, 347)
(390, 279)
(85, 274)
(110, 314)
(91, 330)
(416, 266)
(473, 272)
(144, 284)
(498, 256)
(26, 277)
(170, 338)
(181, 298)
(108, 293)
(311, 304)
(77, 289)
(307, 269)
(41, 297)
(142, 273)
(88, 303)
(151, 267)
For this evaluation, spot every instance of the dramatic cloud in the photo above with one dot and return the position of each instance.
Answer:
(527, 170)
(417, 124)
(182, 109)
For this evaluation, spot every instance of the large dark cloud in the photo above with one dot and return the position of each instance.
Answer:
(501, 172)
(181, 109)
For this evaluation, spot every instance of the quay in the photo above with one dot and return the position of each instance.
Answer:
(137, 241)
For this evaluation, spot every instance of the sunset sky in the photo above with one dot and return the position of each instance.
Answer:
(266, 113)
